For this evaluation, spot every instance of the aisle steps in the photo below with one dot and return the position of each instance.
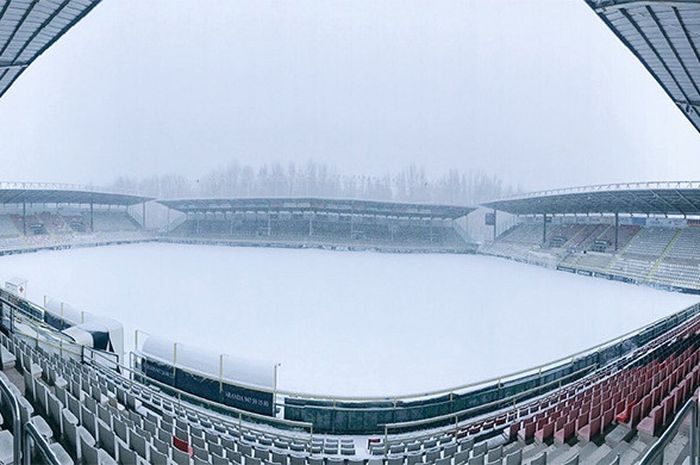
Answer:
(663, 255)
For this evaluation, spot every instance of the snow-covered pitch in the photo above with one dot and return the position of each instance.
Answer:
(347, 322)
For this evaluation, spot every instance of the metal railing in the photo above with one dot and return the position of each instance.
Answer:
(686, 422)
(612, 187)
(336, 402)
(32, 438)
(7, 395)
(23, 185)
(454, 390)
(181, 398)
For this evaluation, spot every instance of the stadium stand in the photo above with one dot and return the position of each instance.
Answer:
(660, 248)
(50, 216)
(71, 410)
(84, 412)
(316, 222)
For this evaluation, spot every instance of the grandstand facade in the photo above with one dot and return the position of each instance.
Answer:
(318, 222)
(36, 216)
(645, 233)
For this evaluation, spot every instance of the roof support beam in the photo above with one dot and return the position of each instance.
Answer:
(19, 24)
(5, 65)
(688, 38)
(668, 204)
(669, 42)
(43, 25)
(696, 208)
(12, 35)
(605, 6)
(638, 199)
(651, 46)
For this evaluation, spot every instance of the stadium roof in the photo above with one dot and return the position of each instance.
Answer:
(665, 36)
(340, 206)
(29, 27)
(653, 198)
(24, 192)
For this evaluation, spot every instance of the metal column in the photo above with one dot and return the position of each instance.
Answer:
(544, 229)
(495, 220)
(617, 229)
(92, 218)
(694, 446)
(144, 214)
(24, 218)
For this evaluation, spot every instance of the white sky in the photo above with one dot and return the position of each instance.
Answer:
(537, 91)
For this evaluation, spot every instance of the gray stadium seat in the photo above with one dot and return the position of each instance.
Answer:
(180, 457)
(218, 460)
(126, 455)
(540, 459)
(480, 449)
(42, 427)
(157, 458)
(495, 454)
(516, 458)
(61, 454)
(6, 447)
(89, 455)
(461, 457)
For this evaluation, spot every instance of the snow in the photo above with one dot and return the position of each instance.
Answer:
(353, 323)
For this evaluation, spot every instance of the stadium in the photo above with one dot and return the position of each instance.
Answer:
(105, 381)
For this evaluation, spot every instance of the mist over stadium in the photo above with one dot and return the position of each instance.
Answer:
(350, 233)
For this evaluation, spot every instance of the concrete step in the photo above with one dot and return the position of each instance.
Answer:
(592, 453)
(619, 450)
(631, 456)
(554, 453)
(565, 456)
(620, 433)
(532, 450)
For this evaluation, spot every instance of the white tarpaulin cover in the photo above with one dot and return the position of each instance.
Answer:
(235, 369)
(89, 323)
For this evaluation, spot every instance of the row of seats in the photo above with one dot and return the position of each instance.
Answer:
(90, 398)
(300, 230)
(90, 411)
(511, 420)
(651, 255)
(32, 243)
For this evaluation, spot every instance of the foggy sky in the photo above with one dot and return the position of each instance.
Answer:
(539, 92)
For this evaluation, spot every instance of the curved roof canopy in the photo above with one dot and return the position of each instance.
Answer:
(312, 204)
(17, 193)
(665, 36)
(676, 198)
(28, 27)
